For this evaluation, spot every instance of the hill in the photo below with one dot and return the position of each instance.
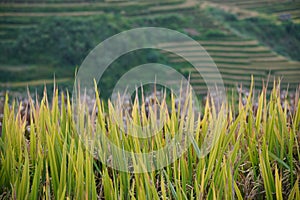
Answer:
(41, 38)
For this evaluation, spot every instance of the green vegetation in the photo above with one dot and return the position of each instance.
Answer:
(284, 37)
(268, 7)
(256, 156)
(257, 153)
(244, 38)
(62, 41)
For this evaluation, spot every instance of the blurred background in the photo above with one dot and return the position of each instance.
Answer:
(46, 40)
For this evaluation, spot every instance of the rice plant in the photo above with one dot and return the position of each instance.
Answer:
(45, 155)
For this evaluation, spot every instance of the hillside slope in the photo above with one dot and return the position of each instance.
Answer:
(38, 39)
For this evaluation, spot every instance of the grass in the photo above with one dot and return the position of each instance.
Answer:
(256, 155)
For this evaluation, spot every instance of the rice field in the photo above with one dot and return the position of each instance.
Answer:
(48, 148)
(255, 156)
(270, 7)
(236, 61)
(25, 84)
(60, 14)
(17, 15)
(240, 55)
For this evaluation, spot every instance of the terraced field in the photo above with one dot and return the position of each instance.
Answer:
(15, 16)
(283, 9)
(236, 61)
(35, 83)
(19, 16)
(236, 56)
